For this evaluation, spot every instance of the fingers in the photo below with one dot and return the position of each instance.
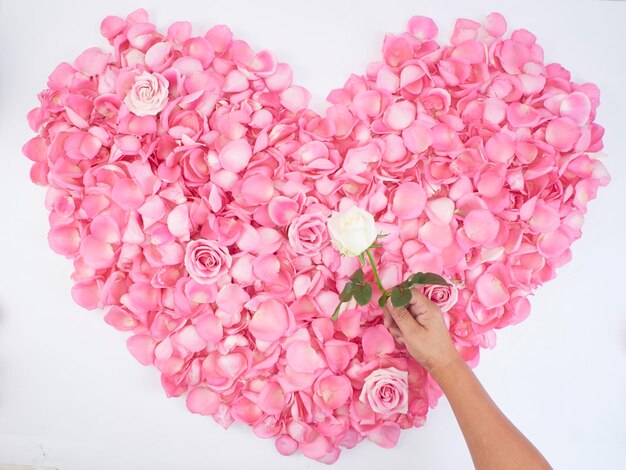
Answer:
(387, 319)
(422, 306)
(403, 319)
(418, 299)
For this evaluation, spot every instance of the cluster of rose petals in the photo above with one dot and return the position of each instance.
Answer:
(190, 184)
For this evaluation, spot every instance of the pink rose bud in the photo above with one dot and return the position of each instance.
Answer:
(386, 391)
(444, 296)
(206, 261)
(148, 95)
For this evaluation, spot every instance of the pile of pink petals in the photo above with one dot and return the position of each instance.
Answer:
(190, 184)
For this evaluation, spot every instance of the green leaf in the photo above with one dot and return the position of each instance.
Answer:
(347, 292)
(376, 245)
(382, 235)
(358, 276)
(336, 314)
(400, 297)
(363, 294)
(382, 300)
(427, 278)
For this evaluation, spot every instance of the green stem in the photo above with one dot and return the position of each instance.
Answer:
(370, 257)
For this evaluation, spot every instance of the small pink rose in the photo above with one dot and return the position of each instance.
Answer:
(308, 234)
(444, 296)
(206, 261)
(386, 391)
(148, 95)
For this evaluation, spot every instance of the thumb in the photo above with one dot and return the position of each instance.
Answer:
(403, 319)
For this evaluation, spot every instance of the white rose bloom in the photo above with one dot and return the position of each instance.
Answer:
(353, 231)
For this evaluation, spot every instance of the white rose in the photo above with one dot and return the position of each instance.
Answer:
(148, 95)
(353, 231)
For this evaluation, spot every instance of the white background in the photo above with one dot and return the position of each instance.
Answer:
(73, 397)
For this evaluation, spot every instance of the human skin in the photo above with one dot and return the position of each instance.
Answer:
(493, 441)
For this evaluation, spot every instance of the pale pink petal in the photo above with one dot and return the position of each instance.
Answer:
(231, 298)
(209, 327)
(200, 49)
(263, 64)
(235, 155)
(522, 115)
(480, 226)
(142, 347)
(178, 222)
(157, 55)
(417, 138)
(245, 411)
(96, 253)
(302, 358)
(64, 240)
(270, 321)
(92, 62)
(272, 399)
(280, 80)
(423, 28)
(220, 38)
(440, 211)
(105, 228)
(257, 189)
(386, 436)
(286, 445)
(552, 244)
(500, 148)
(282, 210)
(435, 237)
(339, 353)
(295, 98)
(576, 106)
(203, 401)
(545, 218)
(334, 391)
(189, 339)
(399, 115)
(495, 24)
(86, 293)
(408, 201)
(127, 194)
(266, 267)
(562, 133)
(235, 82)
(377, 341)
(491, 291)
(397, 50)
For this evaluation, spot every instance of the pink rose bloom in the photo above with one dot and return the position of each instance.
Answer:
(444, 296)
(148, 95)
(386, 391)
(206, 261)
(308, 234)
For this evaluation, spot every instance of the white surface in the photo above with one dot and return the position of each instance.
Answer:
(71, 396)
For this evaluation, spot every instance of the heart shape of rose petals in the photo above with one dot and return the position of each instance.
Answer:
(190, 184)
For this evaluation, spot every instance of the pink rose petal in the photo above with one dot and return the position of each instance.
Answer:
(562, 133)
(235, 155)
(408, 201)
(270, 321)
(399, 115)
(480, 226)
(377, 341)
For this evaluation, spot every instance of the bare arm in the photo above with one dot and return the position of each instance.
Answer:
(493, 441)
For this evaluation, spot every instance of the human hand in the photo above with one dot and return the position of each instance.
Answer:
(421, 328)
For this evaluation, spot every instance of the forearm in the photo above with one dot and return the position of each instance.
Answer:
(493, 441)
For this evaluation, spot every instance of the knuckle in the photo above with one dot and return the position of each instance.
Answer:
(401, 314)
